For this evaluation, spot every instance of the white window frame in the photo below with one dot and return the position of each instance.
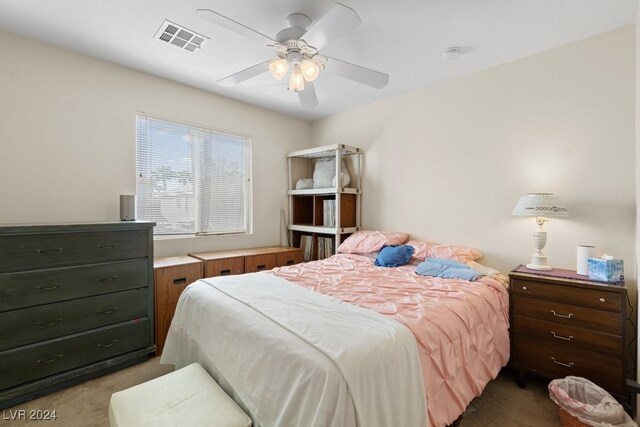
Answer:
(147, 196)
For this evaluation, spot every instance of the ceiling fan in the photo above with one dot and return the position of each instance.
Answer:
(296, 49)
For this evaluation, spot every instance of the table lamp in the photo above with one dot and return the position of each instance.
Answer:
(542, 206)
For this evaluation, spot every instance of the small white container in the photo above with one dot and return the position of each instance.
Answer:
(584, 253)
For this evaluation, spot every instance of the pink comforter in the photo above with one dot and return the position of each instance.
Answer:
(461, 327)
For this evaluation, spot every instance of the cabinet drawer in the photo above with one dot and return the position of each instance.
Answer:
(19, 290)
(30, 325)
(565, 314)
(558, 361)
(289, 258)
(171, 281)
(164, 316)
(568, 335)
(224, 267)
(568, 294)
(51, 357)
(35, 252)
(262, 262)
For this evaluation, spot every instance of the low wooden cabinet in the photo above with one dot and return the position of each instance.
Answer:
(222, 263)
(567, 326)
(171, 276)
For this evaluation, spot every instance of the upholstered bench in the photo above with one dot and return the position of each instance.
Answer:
(186, 397)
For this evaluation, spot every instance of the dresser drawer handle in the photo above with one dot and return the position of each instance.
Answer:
(107, 279)
(569, 338)
(111, 344)
(49, 251)
(100, 246)
(56, 357)
(107, 311)
(55, 322)
(565, 316)
(602, 300)
(260, 267)
(48, 288)
(568, 365)
(524, 288)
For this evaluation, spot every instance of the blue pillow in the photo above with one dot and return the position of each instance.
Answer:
(394, 256)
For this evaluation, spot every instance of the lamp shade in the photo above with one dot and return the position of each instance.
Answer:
(278, 68)
(540, 204)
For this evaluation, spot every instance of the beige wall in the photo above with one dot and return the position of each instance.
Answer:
(448, 164)
(67, 140)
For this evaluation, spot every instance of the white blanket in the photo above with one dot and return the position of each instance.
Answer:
(293, 357)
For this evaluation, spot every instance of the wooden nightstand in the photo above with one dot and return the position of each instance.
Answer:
(171, 276)
(563, 325)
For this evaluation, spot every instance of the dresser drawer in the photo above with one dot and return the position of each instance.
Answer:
(171, 281)
(35, 252)
(30, 325)
(260, 262)
(50, 357)
(568, 294)
(565, 314)
(289, 258)
(558, 361)
(224, 267)
(19, 290)
(568, 335)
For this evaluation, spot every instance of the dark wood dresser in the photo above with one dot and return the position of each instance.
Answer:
(564, 326)
(76, 302)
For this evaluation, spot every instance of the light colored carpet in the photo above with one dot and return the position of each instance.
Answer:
(502, 403)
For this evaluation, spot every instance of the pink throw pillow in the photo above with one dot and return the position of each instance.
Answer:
(425, 250)
(364, 242)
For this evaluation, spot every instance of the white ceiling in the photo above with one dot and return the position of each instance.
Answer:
(402, 38)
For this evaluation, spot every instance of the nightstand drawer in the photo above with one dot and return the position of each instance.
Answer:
(39, 251)
(559, 361)
(171, 281)
(568, 335)
(567, 294)
(570, 315)
(259, 262)
(224, 267)
(289, 258)
(49, 321)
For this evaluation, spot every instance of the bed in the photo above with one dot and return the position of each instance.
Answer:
(344, 342)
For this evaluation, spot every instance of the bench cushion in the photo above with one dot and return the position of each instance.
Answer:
(188, 396)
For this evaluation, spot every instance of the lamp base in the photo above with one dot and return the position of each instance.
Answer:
(538, 262)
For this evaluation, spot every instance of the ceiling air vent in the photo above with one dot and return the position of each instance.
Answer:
(180, 36)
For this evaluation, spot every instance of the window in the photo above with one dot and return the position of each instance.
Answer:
(192, 180)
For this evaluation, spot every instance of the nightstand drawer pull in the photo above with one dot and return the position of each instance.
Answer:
(55, 322)
(111, 344)
(290, 262)
(180, 281)
(566, 316)
(602, 300)
(224, 272)
(560, 337)
(261, 267)
(524, 288)
(568, 365)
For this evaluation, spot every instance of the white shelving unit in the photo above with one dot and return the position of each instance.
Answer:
(306, 207)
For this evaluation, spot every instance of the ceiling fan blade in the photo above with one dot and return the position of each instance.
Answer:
(338, 21)
(357, 73)
(308, 97)
(232, 25)
(245, 74)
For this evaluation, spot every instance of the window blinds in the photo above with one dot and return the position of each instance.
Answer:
(192, 180)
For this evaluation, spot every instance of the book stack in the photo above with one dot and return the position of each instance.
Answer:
(306, 244)
(329, 213)
(325, 247)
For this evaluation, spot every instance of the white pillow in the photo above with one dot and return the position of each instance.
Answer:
(325, 172)
(304, 184)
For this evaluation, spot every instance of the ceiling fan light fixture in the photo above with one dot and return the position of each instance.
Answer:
(310, 70)
(279, 68)
(296, 82)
